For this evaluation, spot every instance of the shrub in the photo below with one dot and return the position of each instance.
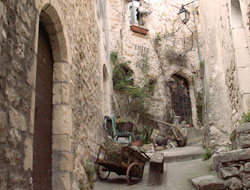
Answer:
(207, 154)
(245, 118)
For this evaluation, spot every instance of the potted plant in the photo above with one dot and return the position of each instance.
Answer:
(124, 125)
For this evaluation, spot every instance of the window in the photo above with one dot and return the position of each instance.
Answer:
(135, 16)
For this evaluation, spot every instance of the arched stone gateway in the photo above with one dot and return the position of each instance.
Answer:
(60, 156)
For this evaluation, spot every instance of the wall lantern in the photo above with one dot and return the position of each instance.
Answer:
(184, 15)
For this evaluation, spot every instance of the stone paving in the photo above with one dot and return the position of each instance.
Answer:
(177, 175)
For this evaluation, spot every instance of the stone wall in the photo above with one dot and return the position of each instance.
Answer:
(160, 17)
(76, 30)
(224, 70)
(234, 168)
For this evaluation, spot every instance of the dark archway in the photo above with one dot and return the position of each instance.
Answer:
(42, 150)
(180, 98)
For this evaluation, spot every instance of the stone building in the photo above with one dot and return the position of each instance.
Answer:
(225, 33)
(54, 91)
(149, 34)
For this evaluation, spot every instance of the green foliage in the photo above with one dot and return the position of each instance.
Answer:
(89, 168)
(146, 134)
(199, 106)
(112, 151)
(158, 38)
(123, 120)
(245, 118)
(90, 171)
(124, 83)
(114, 57)
(202, 64)
(233, 136)
(207, 154)
(122, 77)
(83, 187)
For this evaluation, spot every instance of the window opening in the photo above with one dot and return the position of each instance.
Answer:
(135, 17)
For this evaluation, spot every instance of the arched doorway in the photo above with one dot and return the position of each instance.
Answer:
(42, 150)
(59, 173)
(180, 98)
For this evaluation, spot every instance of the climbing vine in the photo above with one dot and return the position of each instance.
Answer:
(137, 94)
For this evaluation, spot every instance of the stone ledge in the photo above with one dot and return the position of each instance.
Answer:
(207, 182)
(232, 156)
(244, 128)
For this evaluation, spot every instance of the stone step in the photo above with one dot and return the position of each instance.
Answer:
(181, 154)
(208, 182)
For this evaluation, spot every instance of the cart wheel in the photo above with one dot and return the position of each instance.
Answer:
(101, 172)
(133, 174)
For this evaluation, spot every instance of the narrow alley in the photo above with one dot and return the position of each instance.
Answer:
(156, 91)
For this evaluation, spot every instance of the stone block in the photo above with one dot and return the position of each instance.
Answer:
(61, 72)
(16, 177)
(17, 120)
(244, 128)
(28, 154)
(232, 156)
(12, 156)
(247, 167)
(208, 182)
(239, 38)
(31, 75)
(61, 93)
(227, 172)
(243, 136)
(244, 141)
(3, 181)
(61, 143)
(63, 161)
(3, 124)
(242, 57)
(246, 180)
(246, 102)
(244, 79)
(62, 120)
(12, 96)
(14, 137)
(61, 181)
(233, 183)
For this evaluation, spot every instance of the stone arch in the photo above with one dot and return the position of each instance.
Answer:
(106, 92)
(187, 76)
(62, 157)
(242, 57)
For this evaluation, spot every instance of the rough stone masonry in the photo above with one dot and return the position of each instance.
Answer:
(78, 37)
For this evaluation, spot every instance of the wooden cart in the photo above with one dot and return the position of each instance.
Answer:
(130, 163)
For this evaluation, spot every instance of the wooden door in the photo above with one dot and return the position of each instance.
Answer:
(181, 102)
(42, 150)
